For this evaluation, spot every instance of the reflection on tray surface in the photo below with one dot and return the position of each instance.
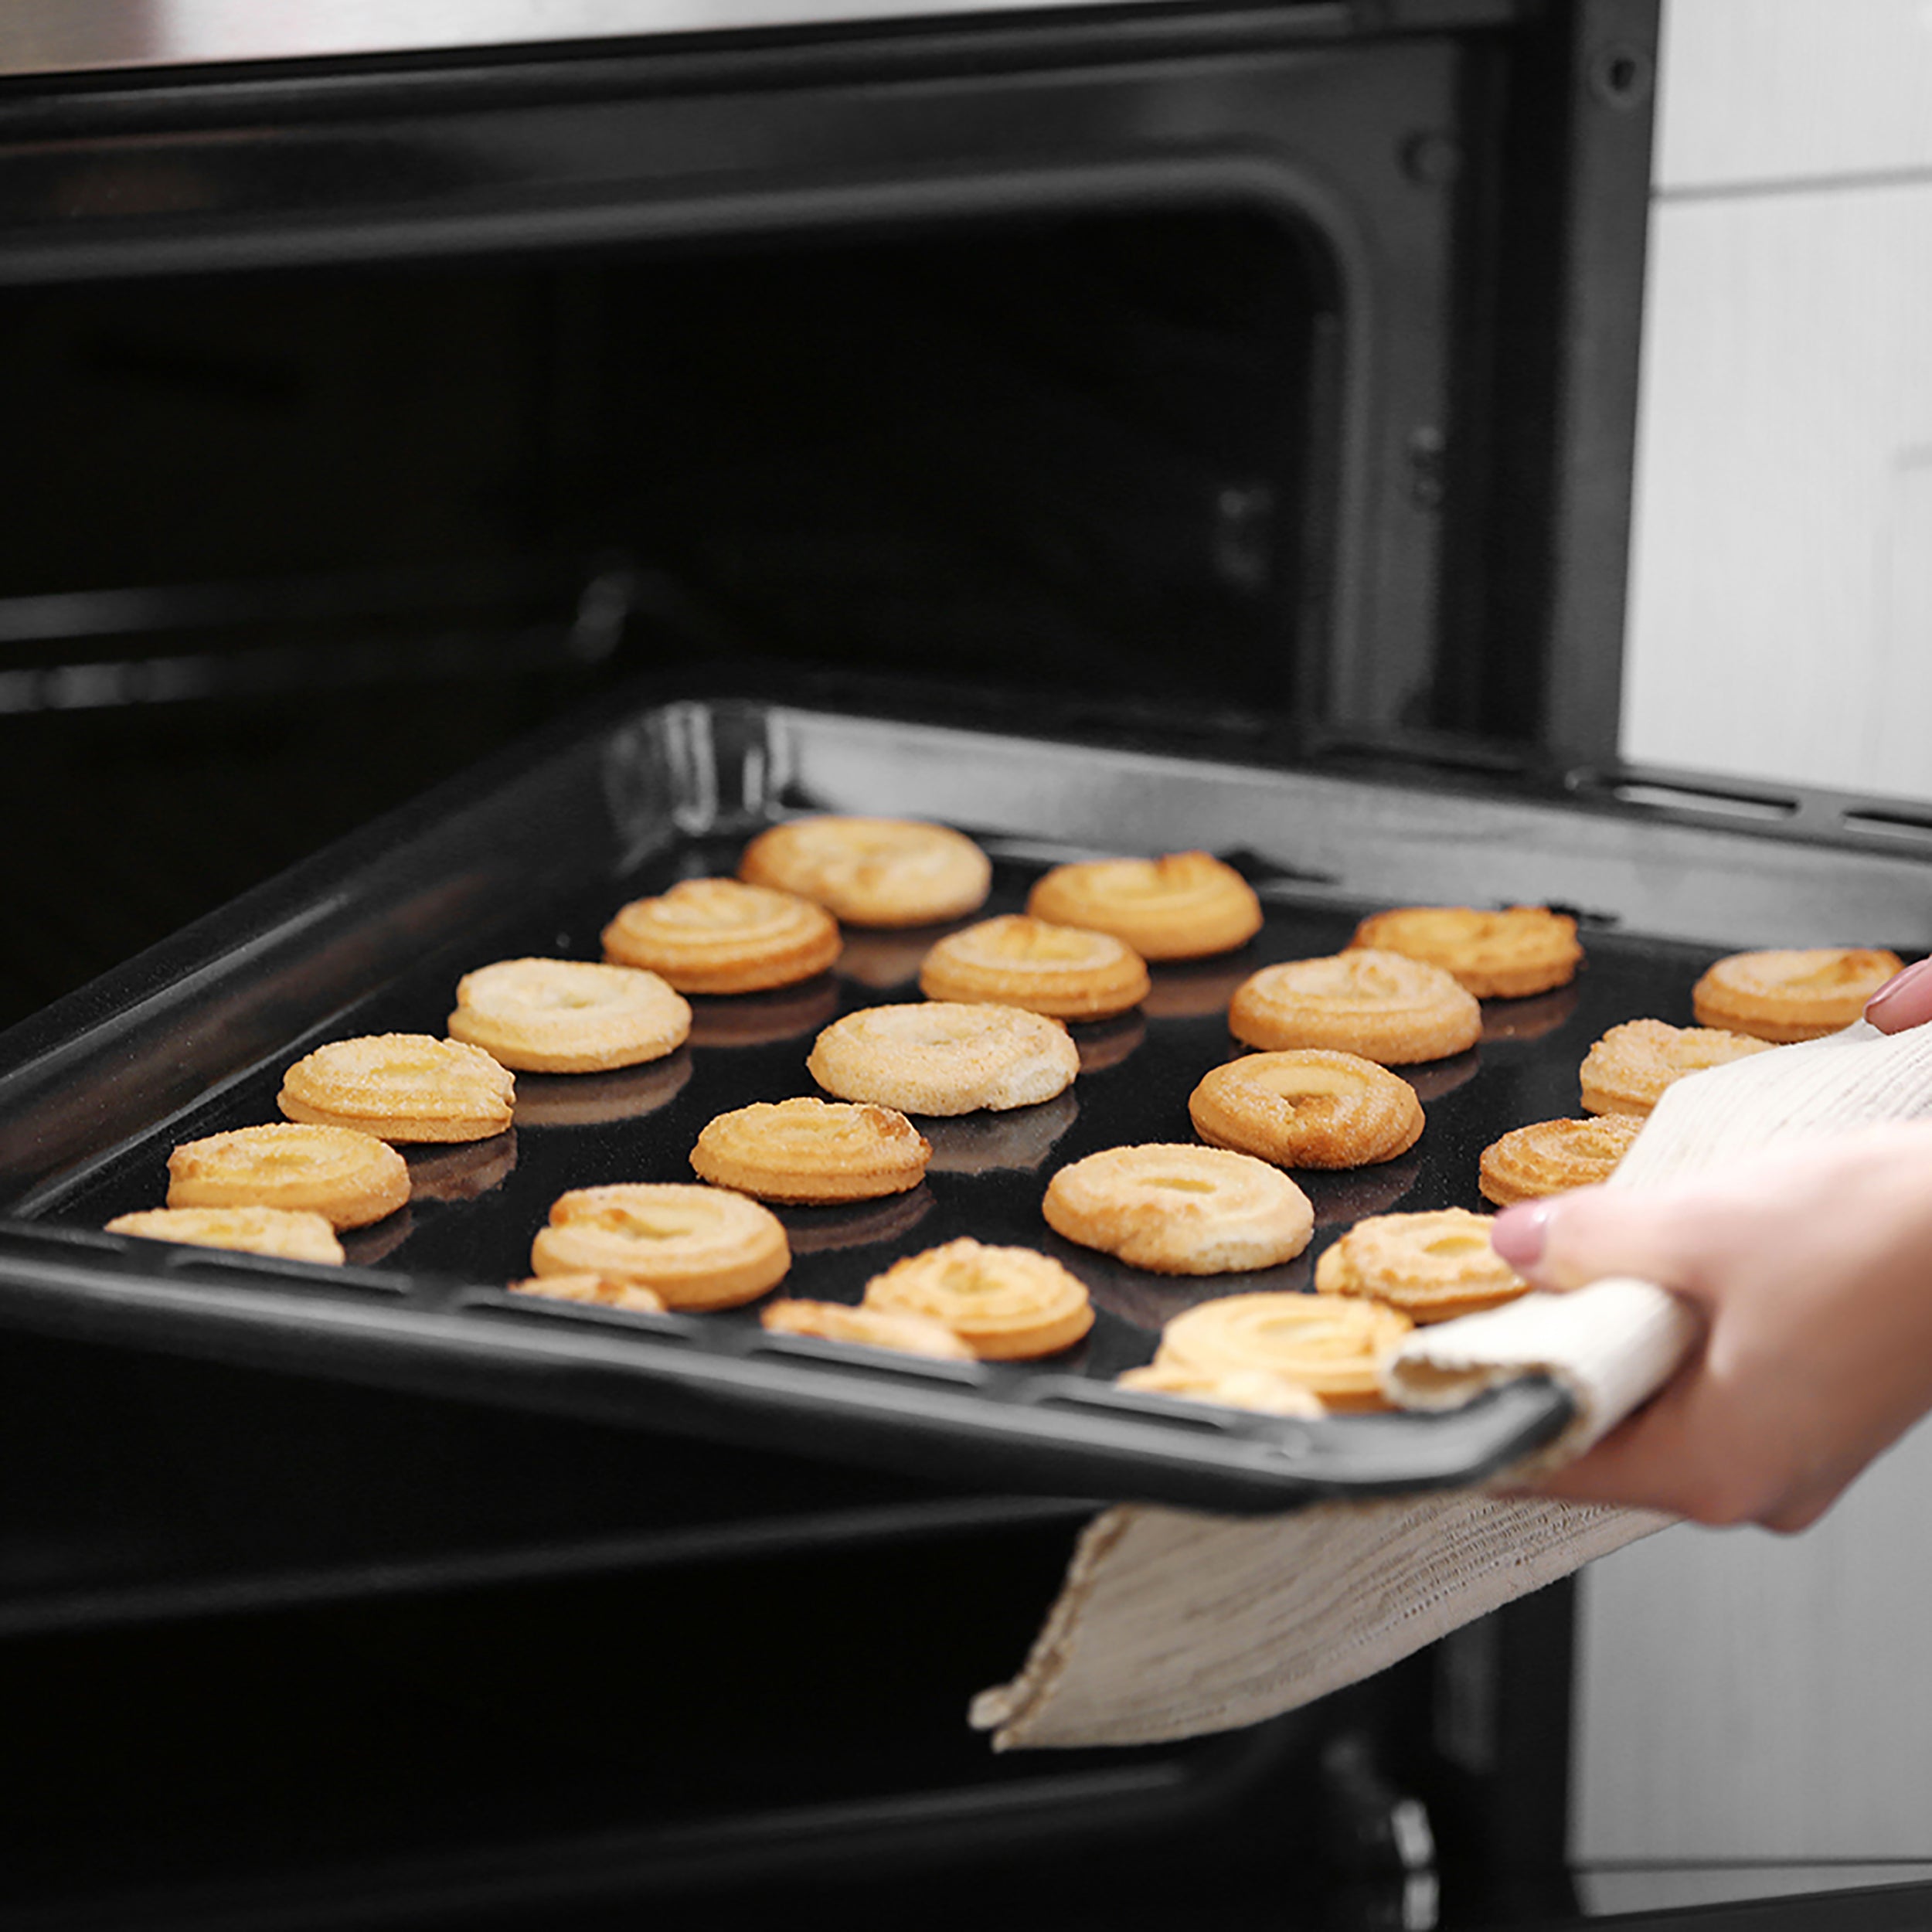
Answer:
(462, 1172)
(820, 1230)
(759, 1019)
(985, 1143)
(596, 1099)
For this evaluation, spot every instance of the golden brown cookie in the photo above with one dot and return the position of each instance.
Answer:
(349, 1178)
(943, 1056)
(295, 1234)
(594, 1291)
(401, 1086)
(812, 1151)
(1552, 1156)
(568, 1015)
(1792, 995)
(1432, 1266)
(722, 936)
(1180, 1209)
(1626, 1071)
(1187, 905)
(694, 1247)
(1256, 1389)
(1389, 1008)
(870, 1328)
(1334, 1348)
(873, 871)
(1495, 955)
(1307, 1108)
(1006, 1305)
(1013, 961)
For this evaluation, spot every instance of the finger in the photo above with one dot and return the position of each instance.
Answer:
(1904, 1000)
(1572, 1239)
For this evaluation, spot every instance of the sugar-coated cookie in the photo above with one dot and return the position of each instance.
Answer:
(722, 936)
(348, 1177)
(1186, 904)
(568, 1015)
(401, 1086)
(1495, 955)
(812, 1151)
(945, 1057)
(1307, 1108)
(873, 871)
(1384, 1006)
(1787, 995)
(1016, 961)
(1005, 1304)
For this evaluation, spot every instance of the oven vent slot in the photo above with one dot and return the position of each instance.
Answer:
(1890, 822)
(853, 1358)
(1758, 807)
(494, 1304)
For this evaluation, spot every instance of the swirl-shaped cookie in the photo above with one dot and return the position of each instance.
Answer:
(1177, 1209)
(1384, 1006)
(693, 1246)
(1307, 1108)
(1552, 1156)
(1432, 1266)
(722, 936)
(944, 1057)
(568, 1015)
(401, 1086)
(1495, 955)
(873, 871)
(1187, 905)
(349, 1178)
(1016, 961)
(1784, 995)
(294, 1234)
(1627, 1071)
(812, 1151)
(1005, 1304)
(1334, 1348)
(870, 1328)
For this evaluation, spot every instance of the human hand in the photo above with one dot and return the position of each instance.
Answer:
(1812, 1269)
(1904, 1000)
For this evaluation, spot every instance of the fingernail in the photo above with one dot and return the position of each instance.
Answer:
(1916, 974)
(1518, 1233)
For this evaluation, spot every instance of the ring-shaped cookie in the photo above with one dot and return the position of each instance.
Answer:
(1627, 1071)
(1307, 1108)
(1552, 1156)
(1791, 994)
(1335, 1348)
(568, 1015)
(1387, 1007)
(808, 1151)
(869, 1327)
(1495, 955)
(1432, 1266)
(722, 936)
(944, 1057)
(1180, 1209)
(1186, 904)
(1005, 1304)
(693, 1246)
(295, 1234)
(873, 871)
(348, 1177)
(1015, 960)
(401, 1086)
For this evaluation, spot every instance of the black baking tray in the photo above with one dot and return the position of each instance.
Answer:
(532, 854)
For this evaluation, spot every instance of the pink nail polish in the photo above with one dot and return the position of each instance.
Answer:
(1518, 1233)
(1916, 974)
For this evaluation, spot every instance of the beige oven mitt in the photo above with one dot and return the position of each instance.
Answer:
(1170, 1624)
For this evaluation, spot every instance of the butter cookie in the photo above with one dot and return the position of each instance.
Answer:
(594, 1291)
(693, 1246)
(1627, 1071)
(1187, 905)
(870, 1328)
(1786, 996)
(568, 1015)
(1552, 1156)
(1333, 1348)
(349, 1178)
(873, 871)
(293, 1234)
(944, 1057)
(401, 1086)
(1177, 1209)
(722, 936)
(1495, 955)
(811, 1151)
(1015, 960)
(1431, 1266)
(1257, 1389)
(1004, 1304)
(1307, 1108)
(1384, 1006)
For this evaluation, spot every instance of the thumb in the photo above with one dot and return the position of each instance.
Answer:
(1570, 1239)
(1904, 1000)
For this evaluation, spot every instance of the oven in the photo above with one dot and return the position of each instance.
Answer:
(1247, 385)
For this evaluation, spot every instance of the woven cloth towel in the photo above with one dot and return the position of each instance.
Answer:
(1170, 1622)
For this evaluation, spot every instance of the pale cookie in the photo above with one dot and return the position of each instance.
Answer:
(1627, 1071)
(1389, 1008)
(1552, 1156)
(1495, 955)
(873, 871)
(1432, 1266)
(1004, 1304)
(592, 1291)
(1307, 1108)
(812, 1152)
(722, 936)
(294, 1234)
(1792, 995)
(1188, 905)
(870, 1328)
(1180, 1209)
(944, 1057)
(568, 1015)
(349, 1178)
(1333, 1348)
(1256, 1389)
(1014, 960)
(401, 1086)
(694, 1247)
